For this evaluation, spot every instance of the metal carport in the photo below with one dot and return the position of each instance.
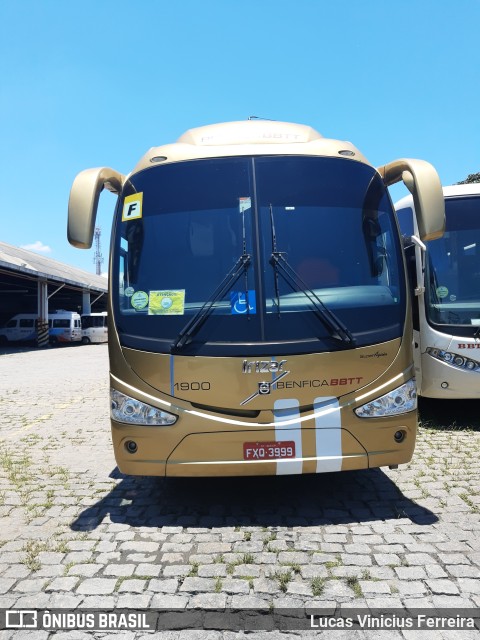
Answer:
(32, 283)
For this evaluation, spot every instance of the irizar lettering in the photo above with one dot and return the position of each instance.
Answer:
(263, 366)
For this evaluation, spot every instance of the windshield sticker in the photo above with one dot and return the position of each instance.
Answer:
(442, 292)
(132, 207)
(239, 300)
(244, 204)
(163, 303)
(129, 291)
(139, 300)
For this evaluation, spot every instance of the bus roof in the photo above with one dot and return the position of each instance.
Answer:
(248, 137)
(461, 189)
(448, 192)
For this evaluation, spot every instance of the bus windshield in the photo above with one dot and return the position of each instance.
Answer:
(453, 267)
(209, 239)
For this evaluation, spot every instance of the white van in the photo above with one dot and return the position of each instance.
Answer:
(63, 326)
(20, 328)
(94, 327)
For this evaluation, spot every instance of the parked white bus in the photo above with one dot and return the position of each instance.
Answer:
(445, 278)
(95, 327)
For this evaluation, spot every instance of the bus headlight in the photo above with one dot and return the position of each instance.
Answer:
(131, 411)
(455, 359)
(400, 400)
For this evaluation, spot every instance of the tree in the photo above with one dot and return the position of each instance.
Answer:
(472, 177)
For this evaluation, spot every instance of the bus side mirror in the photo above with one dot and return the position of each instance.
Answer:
(83, 203)
(423, 182)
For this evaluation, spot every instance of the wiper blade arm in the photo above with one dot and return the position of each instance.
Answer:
(202, 314)
(291, 277)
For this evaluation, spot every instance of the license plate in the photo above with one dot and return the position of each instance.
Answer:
(268, 450)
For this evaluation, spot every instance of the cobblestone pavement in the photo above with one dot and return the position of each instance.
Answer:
(76, 533)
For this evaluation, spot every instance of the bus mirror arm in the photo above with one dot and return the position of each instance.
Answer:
(83, 203)
(409, 241)
(422, 180)
(418, 242)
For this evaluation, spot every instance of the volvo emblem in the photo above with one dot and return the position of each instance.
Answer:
(264, 388)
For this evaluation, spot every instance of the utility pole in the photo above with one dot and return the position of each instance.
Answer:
(98, 258)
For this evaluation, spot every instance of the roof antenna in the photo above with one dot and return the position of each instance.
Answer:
(259, 118)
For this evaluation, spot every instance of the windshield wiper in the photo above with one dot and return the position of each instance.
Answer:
(291, 277)
(202, 314)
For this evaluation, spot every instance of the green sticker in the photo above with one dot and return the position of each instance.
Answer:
(139, 300)
(442, 292)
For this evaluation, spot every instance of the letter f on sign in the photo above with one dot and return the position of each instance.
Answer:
(132, 207)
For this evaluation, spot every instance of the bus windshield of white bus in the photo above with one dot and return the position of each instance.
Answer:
(453, 268)
(215, 254)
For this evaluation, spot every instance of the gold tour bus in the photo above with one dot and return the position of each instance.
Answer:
(260, 313)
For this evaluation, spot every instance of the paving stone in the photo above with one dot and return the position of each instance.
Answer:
(96, 586)
(249, 602)
(419, 559)
(32, 585)
(150, 570)
(165, 586)
(15, 571)
(370, 587)
(469, 585)
(139, 546)
(105, 602)
(232, 585)
(462, 571)
(133, 601)
(293, 557)
(314, 571)
(6, 584)
(194, 585)
(119, 570)
(134, 585)
(208, 601)
(63, 584)
(409, 587)
(356, 560)
(410, 573)
(442, 587)
(244, 570)
(167, 601)
(86, 570)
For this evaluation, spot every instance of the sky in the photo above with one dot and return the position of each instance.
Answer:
(98, 82)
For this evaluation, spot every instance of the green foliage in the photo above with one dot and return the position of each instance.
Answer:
(471, 178)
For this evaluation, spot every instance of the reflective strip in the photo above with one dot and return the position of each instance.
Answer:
(328, 434)
(287, 410)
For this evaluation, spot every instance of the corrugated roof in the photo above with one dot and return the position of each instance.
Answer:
(30, 263)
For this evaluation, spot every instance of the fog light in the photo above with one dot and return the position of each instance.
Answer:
(131, 446)
(399, 436)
